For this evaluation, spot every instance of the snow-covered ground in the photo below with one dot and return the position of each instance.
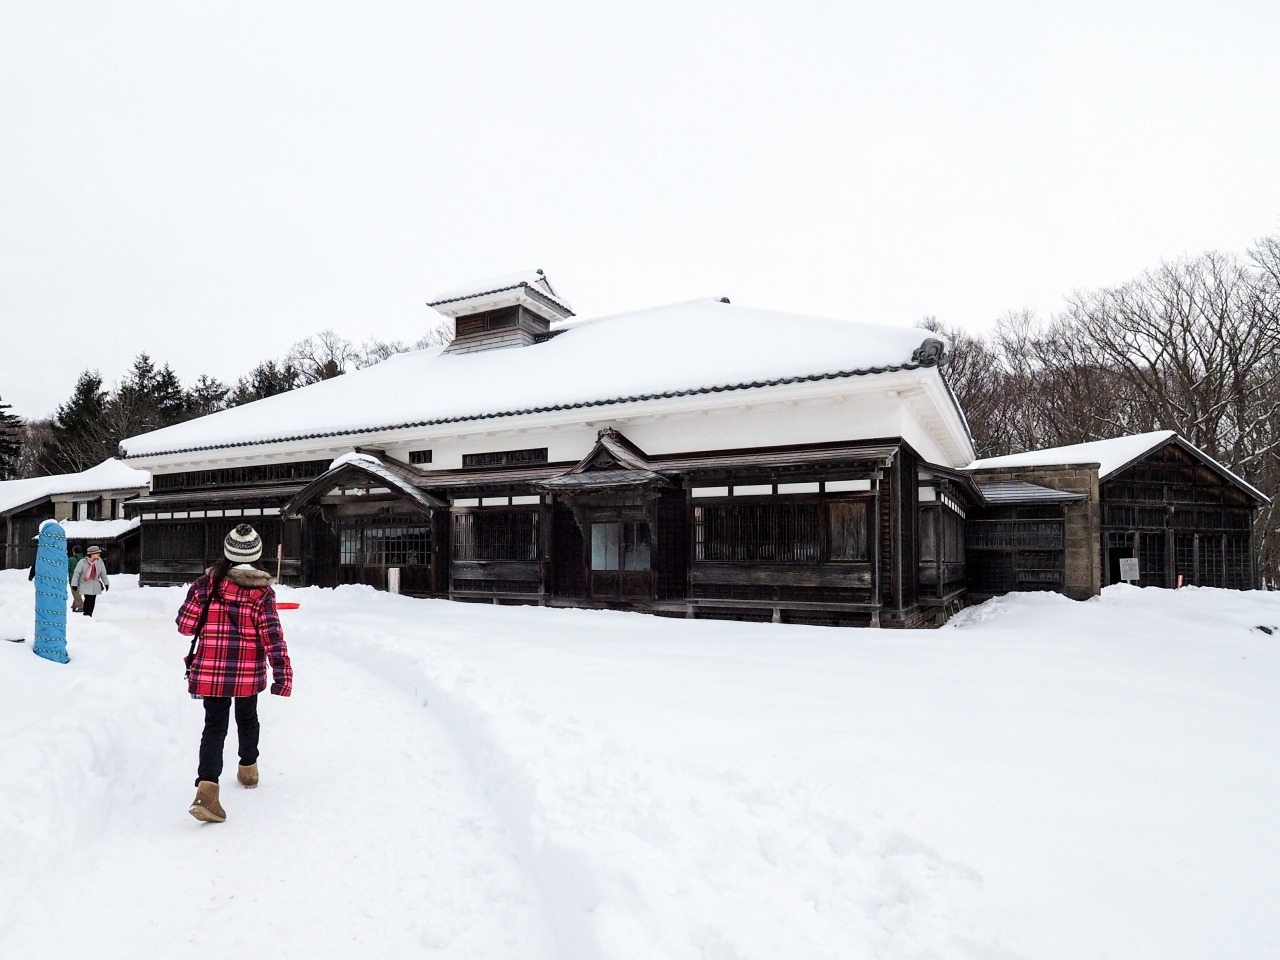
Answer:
(1040, 779)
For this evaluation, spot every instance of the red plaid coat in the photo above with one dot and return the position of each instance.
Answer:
(241, 633)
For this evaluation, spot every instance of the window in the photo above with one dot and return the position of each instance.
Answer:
(478, 323)
(384, 545)
(419, 456)
(173, 541)
(496, 535)
(620, 545)
(237, 476)
(505, 458)
(774, 532)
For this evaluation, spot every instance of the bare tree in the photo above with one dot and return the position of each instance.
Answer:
(322, 356)
(35, 435)
(374, 350)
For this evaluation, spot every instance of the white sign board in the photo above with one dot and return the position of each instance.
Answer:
(393, 580)
(1129, 569)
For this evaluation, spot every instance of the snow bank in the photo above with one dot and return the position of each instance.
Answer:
(1042, 778)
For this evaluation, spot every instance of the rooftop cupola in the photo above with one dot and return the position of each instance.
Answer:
(511, 311)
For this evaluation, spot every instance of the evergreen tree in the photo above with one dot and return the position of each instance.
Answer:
(169, 398)
(80, 438)
(265, 380)
(10, 443)
(207, 395)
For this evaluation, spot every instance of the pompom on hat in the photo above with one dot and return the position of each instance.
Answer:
(243, 545)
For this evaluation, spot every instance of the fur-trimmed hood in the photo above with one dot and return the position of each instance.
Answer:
(251, 578)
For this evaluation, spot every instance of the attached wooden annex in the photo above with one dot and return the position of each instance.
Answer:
(1152, 497)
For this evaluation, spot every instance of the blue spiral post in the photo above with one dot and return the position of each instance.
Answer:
(51, 593)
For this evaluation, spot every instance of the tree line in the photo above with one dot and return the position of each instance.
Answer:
(87, 428)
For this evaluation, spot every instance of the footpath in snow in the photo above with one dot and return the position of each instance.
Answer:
(1040, 779)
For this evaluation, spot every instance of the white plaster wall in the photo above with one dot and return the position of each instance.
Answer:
(879, 407)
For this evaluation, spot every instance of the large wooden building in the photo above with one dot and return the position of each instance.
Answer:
(701, 459)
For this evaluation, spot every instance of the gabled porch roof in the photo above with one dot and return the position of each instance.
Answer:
(381, 469)
(614, 463)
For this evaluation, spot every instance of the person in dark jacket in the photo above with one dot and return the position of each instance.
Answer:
(73, 561)
(90, 579)
(232, 609)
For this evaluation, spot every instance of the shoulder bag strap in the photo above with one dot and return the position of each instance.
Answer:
(200, 622)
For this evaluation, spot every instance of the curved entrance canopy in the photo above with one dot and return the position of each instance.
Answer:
(369, 474)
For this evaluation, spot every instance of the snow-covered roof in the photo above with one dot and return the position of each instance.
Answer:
(396, 475)
(111, 474)
(99, 529)
(701, 346)
(511, 281)
(1019, 491)
(1112, 456)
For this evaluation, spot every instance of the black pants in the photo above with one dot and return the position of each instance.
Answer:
(217, 715)
(90, 601)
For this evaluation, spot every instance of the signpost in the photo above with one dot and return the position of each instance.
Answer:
(1129, 569)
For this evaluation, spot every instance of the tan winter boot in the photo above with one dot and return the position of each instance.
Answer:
(206, 806)
(248, 776)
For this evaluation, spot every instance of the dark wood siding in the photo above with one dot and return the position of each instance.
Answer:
(1016, 548)
(1181, 519)
(568, 562)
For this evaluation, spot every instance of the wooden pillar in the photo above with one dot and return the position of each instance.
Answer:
(875, 549)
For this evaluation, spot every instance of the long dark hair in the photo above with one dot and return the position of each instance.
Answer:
(218, 570)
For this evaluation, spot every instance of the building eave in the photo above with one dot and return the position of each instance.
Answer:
(603, 403)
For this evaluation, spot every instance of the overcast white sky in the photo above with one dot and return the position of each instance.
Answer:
(212, 182)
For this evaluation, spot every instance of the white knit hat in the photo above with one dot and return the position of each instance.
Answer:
(243, 545)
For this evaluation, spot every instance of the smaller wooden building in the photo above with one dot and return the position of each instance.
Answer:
(1063, 518)
(85, 500)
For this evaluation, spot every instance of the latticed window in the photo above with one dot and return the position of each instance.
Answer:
(241, 476)
(1015, 534)
(174, 541)
(496, 535)
(808, 532)
(384, 545)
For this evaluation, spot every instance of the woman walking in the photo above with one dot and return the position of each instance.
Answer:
(90, 579)
(231, 614)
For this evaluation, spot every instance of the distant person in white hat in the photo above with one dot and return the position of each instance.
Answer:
(90, 579)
